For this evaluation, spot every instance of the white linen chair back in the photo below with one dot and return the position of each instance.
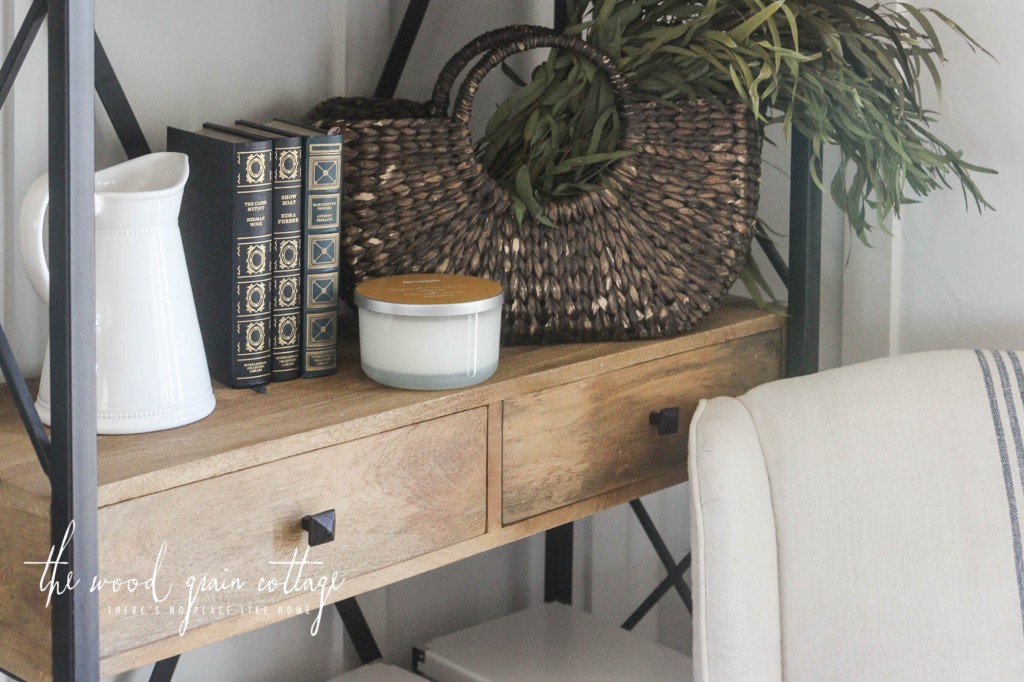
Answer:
(863, 523)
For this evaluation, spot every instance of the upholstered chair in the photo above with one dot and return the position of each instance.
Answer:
(863, 523)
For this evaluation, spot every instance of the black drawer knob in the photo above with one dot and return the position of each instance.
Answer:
(320, 527)
(666, 420)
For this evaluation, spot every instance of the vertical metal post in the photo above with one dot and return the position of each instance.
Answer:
(75, 614)
(558, 542)
(804, 262)
(558, 564)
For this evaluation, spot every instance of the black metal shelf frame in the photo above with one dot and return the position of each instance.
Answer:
(69, 456)
(78, 65)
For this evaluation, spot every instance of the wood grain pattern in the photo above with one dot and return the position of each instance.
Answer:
(223, 629)
(418, 479)
(575, 441)
(495, 422)
(397, 495)
(248, 429)
(24, 620)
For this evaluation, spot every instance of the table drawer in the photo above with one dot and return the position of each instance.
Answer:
(397, 495)
(573, 442)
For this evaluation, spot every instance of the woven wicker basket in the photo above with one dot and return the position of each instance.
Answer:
(648, 255)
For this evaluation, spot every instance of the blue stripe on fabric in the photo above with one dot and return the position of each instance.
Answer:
(1011, 411)
(1018, 373)
(1004, 456)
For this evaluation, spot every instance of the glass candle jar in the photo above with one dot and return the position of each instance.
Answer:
(429, 331)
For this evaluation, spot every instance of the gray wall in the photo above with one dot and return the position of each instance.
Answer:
(949, 277)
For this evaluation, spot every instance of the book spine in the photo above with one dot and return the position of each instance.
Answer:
(322, 257)
(287, 259)
(252, 266)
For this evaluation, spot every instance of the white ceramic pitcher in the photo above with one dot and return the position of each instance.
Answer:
(151, 371)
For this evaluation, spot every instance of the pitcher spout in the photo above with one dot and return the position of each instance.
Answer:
(144, 178)
(141, 194)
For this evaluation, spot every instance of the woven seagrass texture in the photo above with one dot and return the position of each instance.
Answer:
(646, 256)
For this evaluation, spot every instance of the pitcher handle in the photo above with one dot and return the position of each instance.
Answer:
(30, 236)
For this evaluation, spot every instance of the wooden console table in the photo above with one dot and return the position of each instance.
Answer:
(417, 480)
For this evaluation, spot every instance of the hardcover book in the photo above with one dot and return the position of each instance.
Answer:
(321, 242)
(226, 225)
(286, 297)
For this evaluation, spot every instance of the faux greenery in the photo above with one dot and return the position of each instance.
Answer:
(843, 73)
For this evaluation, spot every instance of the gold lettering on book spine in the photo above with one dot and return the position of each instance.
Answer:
(287, 288)
(322, 255)
(254, 180)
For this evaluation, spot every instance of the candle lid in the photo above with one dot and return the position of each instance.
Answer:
(429, 295)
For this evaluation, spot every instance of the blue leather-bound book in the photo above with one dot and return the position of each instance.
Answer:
(288, 216)
(321, 243)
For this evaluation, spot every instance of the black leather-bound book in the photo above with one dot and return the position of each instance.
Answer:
(286, 299)
(226, 230)
(321, 243)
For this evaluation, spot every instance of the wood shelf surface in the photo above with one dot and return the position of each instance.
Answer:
(559, 433)
(248, 428)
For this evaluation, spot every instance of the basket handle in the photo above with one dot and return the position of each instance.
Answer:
(498, 46)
